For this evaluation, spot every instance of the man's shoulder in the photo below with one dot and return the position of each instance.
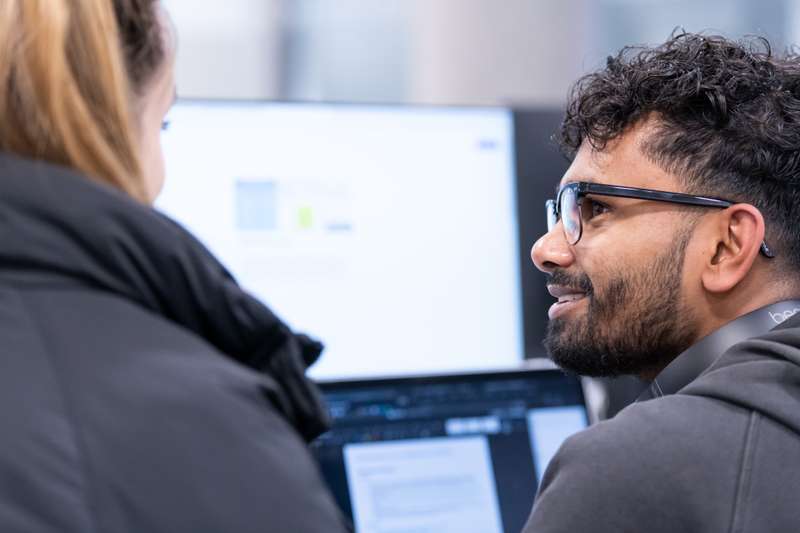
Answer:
(672, 427)
(643, 468)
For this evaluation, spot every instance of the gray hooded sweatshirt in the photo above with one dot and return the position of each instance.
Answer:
(720, 455)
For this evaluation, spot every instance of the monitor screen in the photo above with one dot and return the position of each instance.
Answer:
(388, 232)
(458, 453)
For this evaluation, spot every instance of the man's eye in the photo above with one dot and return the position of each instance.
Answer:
(593, 208)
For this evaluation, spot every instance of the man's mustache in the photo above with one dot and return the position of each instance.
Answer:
(580, 282)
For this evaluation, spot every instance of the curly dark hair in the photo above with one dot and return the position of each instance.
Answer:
(726, 115)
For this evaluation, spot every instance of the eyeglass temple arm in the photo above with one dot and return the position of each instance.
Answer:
(671, 197)
(658, 196)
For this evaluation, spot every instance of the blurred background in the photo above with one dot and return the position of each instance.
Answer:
(513, 52)
(520, 54)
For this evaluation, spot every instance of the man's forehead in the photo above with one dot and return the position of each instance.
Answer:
(589, 165)
(622, 161)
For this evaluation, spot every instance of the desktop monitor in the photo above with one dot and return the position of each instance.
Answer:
(388, 232)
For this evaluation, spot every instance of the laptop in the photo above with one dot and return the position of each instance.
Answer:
(446, 453)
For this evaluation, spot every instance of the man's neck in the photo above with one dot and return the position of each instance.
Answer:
(718, 312)
(698, 357)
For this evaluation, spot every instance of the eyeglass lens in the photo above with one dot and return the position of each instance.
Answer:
(570, 215)
(552, 216)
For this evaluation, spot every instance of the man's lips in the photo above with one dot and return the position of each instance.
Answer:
(565, 294)
(568, 297)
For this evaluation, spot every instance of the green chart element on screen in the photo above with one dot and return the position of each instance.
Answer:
(305, 217)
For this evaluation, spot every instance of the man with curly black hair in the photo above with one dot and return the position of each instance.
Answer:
(674, 253)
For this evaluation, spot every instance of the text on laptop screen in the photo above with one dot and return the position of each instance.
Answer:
(387, 232)
(460, 454)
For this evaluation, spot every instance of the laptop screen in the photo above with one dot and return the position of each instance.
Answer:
(461, 453)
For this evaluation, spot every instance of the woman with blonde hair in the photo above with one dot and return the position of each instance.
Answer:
(140, 388)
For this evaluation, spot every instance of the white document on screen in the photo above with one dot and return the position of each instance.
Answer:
(436, 485)
(548, 428)
(388, 233)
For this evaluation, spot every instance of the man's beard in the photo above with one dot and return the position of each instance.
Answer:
(635, 325)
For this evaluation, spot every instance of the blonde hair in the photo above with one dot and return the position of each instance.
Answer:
(65, 93)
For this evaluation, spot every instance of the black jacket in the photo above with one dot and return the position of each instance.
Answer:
(141, 389)
(721, 454)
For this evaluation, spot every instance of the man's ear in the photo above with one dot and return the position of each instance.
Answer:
(736, 238)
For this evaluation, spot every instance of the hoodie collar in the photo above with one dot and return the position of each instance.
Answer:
(694, 361)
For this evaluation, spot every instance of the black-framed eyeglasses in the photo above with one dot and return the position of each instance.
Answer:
(569, 207)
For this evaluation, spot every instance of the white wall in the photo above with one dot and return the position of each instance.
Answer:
(434, 51)
(488, 51)
(227, 48)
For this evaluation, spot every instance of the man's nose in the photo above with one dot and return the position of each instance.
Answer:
(552, 251)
